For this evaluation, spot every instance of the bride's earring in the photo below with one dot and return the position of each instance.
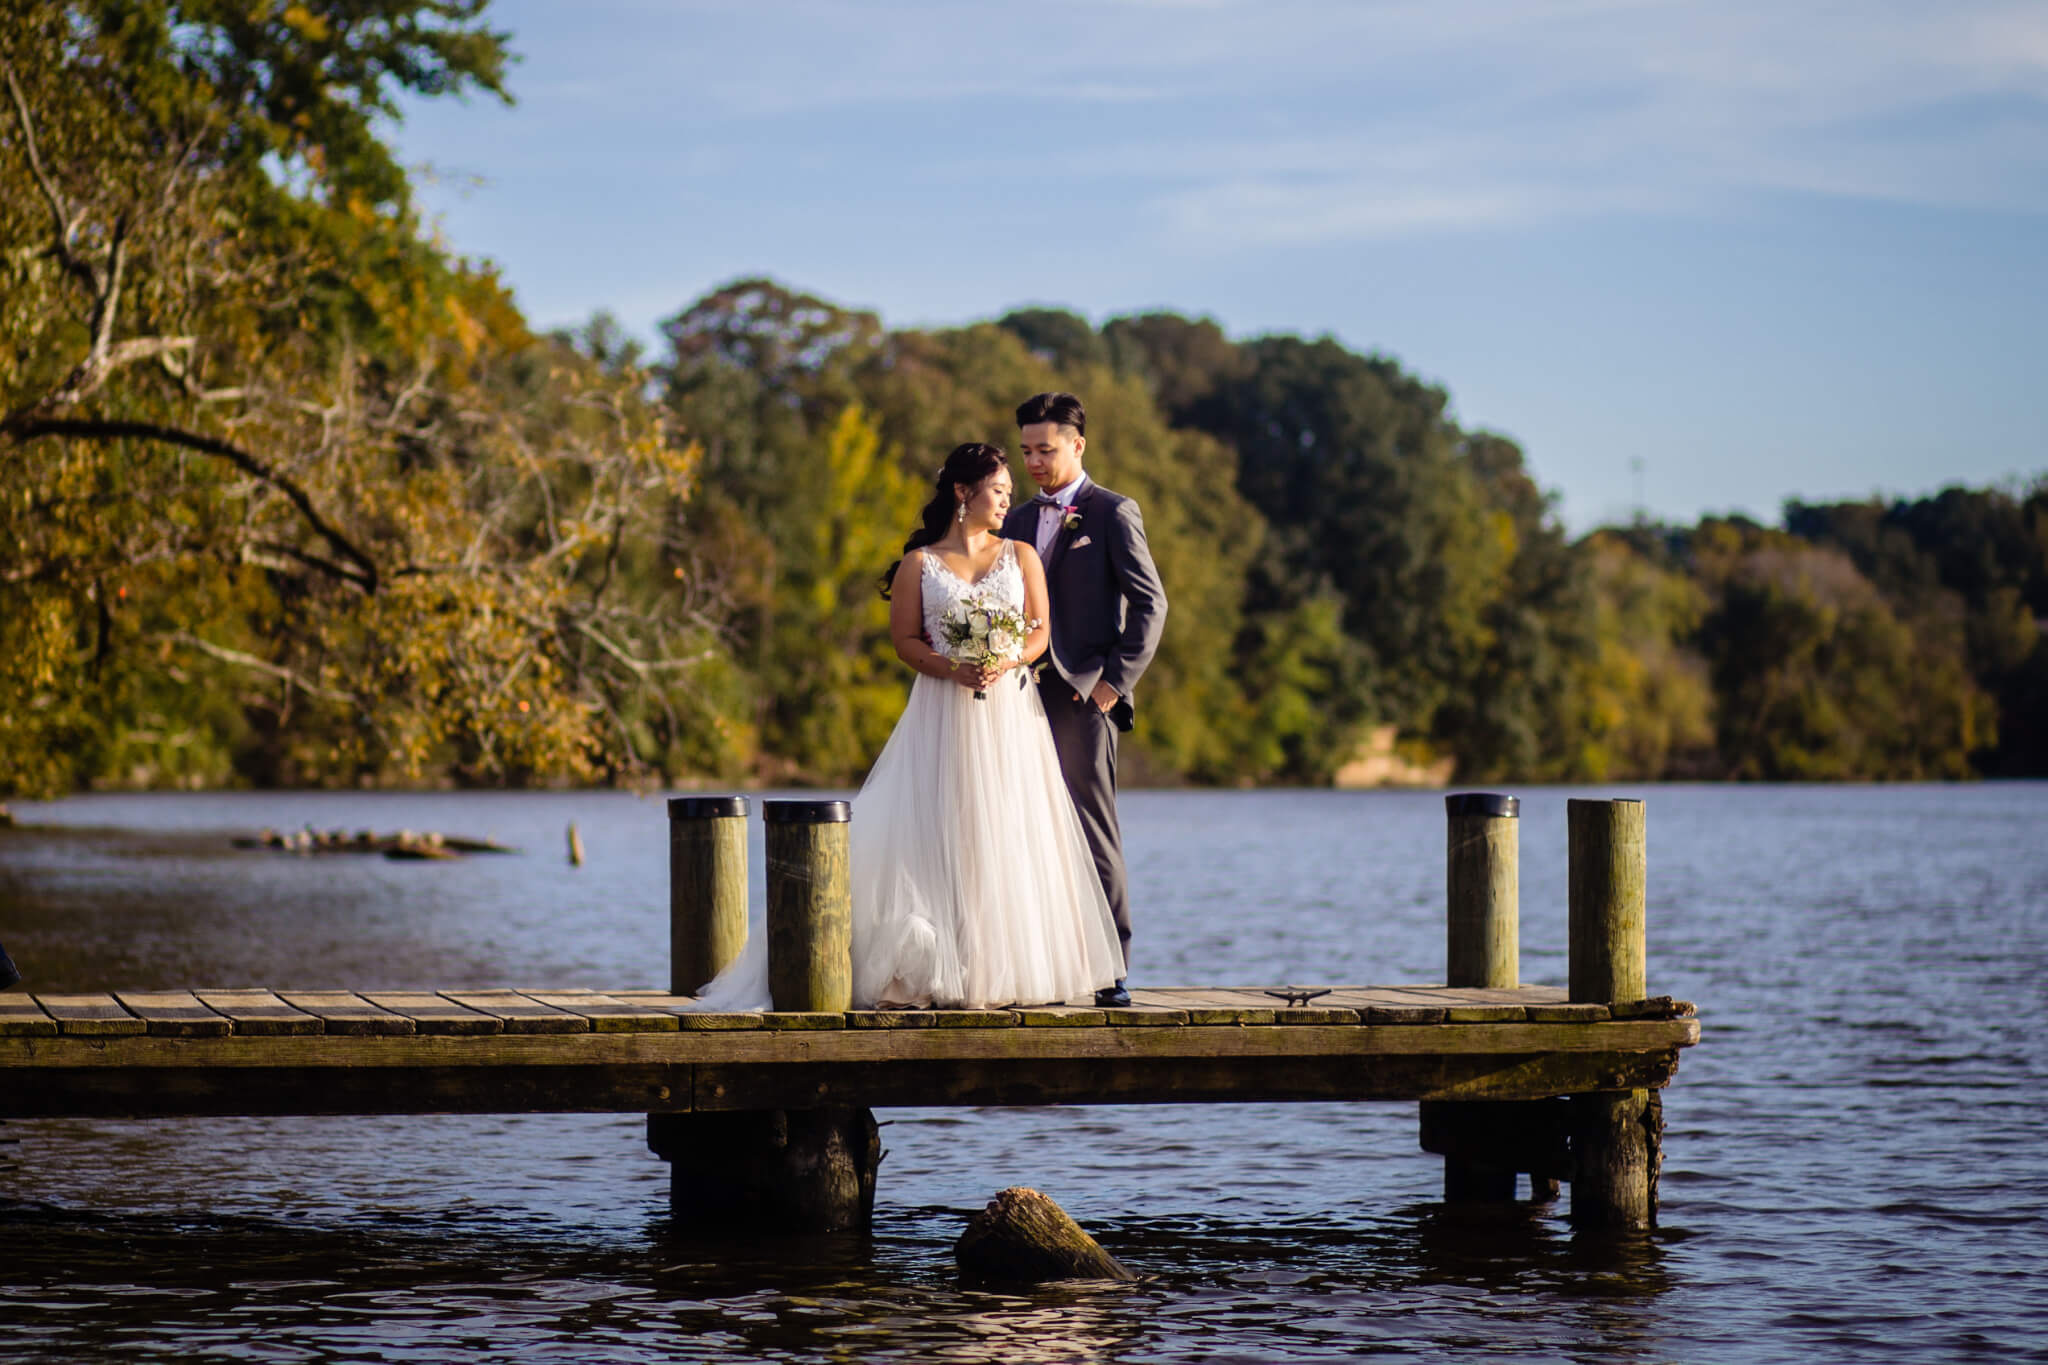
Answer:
(962, 516)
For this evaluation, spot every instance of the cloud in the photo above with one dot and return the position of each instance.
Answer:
(1223, 124)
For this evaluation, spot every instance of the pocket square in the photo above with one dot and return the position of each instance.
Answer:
(1083, 541)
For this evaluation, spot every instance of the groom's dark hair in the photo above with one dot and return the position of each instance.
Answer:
(1063, 408)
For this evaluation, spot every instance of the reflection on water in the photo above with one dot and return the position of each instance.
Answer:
(433, 1287)
(1855, 1165)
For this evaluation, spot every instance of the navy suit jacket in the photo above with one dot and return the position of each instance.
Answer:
(1108, 605)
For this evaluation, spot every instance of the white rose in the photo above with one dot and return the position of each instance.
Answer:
(977, 622)
(1001, 641)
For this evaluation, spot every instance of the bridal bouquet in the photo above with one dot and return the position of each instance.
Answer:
(984, 633)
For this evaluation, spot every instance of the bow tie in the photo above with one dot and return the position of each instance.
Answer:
(1044, 500)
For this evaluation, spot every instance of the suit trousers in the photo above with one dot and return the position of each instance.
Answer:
(1085, 739)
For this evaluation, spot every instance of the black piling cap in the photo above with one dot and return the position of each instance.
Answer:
(806, 812)
(1483, 803)
(707, 808)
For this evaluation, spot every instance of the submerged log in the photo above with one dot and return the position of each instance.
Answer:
(1023, 1237)
(421, 853)
(462, 845)
(404, 844)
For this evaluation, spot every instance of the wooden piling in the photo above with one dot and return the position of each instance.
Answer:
(1616, 1147)
(1609, 866)
(1482, 947)
(754, 1171)
(736, 1175)
(1483, 885)
(810, 905)
(707, 887)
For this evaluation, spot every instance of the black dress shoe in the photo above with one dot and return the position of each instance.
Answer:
(1113, 997)
(9, 973)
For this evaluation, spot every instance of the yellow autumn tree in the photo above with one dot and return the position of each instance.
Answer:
(286, 493)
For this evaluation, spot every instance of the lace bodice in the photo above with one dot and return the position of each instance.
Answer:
(1003, 585)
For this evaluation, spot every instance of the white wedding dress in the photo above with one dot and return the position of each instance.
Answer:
(973, 886)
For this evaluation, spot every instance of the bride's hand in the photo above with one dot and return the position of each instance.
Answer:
(981, 678)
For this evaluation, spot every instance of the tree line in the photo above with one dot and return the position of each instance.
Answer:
(292, 494)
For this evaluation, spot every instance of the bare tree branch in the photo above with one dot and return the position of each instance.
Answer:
(60, 217)
(364, 575)
(250, 661)
(640, 666)
(260, 552)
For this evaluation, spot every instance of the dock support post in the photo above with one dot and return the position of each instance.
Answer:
(1482, 943)
(1482, 947)
(749, 1172)
(707, 888)
(1616, 1138)
(810, 904)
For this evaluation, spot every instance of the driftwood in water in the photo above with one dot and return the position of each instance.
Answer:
(1023, 1237)
(407, 844)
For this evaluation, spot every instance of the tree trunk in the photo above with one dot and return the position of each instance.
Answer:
(1022, 1237)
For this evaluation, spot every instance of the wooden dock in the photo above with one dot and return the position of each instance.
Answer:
(766, 1119)
(157, 1054)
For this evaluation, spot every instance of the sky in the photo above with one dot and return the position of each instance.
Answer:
(1694, 256)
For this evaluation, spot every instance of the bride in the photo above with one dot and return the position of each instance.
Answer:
(973, 886)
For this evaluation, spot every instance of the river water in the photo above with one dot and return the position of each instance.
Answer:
(1856, 1160)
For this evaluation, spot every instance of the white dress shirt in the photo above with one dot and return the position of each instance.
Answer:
(1049, 518)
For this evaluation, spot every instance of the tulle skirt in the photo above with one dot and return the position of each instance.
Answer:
(973, 886)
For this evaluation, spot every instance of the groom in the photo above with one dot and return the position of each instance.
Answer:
(1108, 611)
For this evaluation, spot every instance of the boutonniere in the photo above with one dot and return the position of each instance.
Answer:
(1071, 522)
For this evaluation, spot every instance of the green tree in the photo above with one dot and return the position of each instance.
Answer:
(1816, 678)
(838, 684)
(260, 439)
(1643, 699)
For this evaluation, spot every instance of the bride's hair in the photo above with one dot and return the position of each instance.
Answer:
(967, 466)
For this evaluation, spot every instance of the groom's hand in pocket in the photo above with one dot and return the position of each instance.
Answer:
(1104, 696)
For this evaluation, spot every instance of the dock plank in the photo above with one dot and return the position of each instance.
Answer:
(688, 1017)
(345, 1014)
(608, 1014)
(431, 1013)
(1317, 1011)
(891, 1019)
(1059, 1016)
(1402, 1014)
(517, 1013)
(174, 1014)
(801, 1019)
(1565, 1013)
(22, 1017)
(1228, 1014)
(259, 1013)
(1205, 1007)
(1143, 1016)
(974, 1018)
(1656, 1007)
(90, 1015)
(1461, 1004)
(1369, 997)
(724, 1021)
